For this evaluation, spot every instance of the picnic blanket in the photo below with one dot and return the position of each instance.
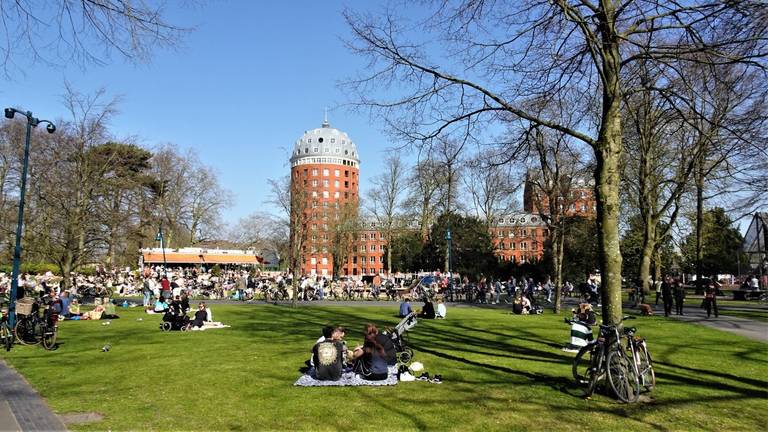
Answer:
(347, 379)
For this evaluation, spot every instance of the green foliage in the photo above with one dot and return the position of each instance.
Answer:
(490, 361)
(581, 252)
(407, 248)
(32, 268)
(721, 244)
(632, 250)
(471, 249)
(216, 270)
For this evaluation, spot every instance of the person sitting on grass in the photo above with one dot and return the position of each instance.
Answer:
(160, 305)
(328, 357)
(201, 316)
(440, 309)
(405, 308)
(428, 311)
(370, 359)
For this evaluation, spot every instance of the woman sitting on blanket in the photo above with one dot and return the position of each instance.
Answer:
(370, 359)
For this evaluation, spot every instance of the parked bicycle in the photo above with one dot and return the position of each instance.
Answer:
(5, 331)
(606, 359)
(641, 358)
(31, 328)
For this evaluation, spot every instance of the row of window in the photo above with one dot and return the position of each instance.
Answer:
(336, 150)
(523, 246)
(324, 260)
(320, 160)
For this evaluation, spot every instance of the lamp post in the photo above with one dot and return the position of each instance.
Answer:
(159, 237)
(51, 128)
(449, 239)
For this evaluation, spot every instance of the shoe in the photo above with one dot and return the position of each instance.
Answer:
(424, 377)
(406, 376)
(438, 379)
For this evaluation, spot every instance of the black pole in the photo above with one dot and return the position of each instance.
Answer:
(19, 228)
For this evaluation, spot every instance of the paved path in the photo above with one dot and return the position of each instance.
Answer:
(21, 407)
(753, 329)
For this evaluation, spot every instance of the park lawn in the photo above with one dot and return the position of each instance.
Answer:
(500, 372)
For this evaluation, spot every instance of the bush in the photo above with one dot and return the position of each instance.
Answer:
(32, 268)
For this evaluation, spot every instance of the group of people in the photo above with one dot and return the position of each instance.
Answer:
(427, 311)
(371, 360)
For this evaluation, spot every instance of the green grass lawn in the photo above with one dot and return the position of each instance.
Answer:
(500, 372)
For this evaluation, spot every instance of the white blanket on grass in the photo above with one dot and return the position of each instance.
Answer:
(347, 379)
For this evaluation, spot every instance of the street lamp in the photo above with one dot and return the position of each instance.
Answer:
(449, 239)
(159, 237)
(51, 128)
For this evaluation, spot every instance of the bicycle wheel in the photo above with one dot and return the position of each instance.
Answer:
(49, 337)
(7, 336)
(622, 377)
(25, 332)
(595, 372)
(582, 363)
(645, 365)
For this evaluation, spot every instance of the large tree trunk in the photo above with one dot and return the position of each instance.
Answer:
(558, 241)
(608, 156)
(649, 245)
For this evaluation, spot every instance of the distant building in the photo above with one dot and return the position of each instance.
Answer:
(755, 244)
(519, 237)
(325, 171)
(199, 256)
(581, 201)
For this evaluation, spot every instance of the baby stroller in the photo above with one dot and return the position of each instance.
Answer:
(397, 335)
(175, 321)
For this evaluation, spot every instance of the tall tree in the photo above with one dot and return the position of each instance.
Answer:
(82, 31)
(509, 53)
(385, 200)
(721, 245)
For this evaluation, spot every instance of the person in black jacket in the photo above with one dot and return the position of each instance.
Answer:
(666, 295)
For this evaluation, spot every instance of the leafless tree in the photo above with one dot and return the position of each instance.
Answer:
(385, 200)
(492, 185)
(82, 31)
(510, 53)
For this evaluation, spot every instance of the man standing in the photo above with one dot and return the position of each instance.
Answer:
(679, 297)
(666, 295)
(165, 287)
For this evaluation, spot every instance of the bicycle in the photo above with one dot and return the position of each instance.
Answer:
(641, 358)
(31, 329)
(5, 331)
(605, 358)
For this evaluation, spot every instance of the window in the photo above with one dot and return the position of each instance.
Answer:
(309, 140)
(346, 184)
(381, 259)
(510, 234)
(525, 232)
(325, 195)
(333, 140)
(362, 248)
(325, 261)
(372, 259)
(362, 237)
(325, 172)
(325, 183)
(336, 183)
(314, 183)
(512, 246)
(336, 194)
(314, 194)
(313, 261)
(346, 174)
(336, 173)
(315, 149)
(583, 207)
(524, 246)
(373, 248)
(314, 172)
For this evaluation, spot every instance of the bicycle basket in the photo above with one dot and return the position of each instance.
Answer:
(24, 306)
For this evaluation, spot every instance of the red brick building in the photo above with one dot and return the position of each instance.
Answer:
(519, 237)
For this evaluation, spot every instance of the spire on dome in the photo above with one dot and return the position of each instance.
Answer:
(325, 118)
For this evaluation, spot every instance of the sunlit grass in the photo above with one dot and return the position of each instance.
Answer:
(501, 372)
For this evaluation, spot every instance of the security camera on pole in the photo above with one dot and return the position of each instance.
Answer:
(51, 128)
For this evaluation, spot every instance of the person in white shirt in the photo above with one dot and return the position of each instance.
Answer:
(440, 313)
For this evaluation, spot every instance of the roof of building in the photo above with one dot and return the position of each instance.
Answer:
(325, 141)
(519, 219)
(200, 256)
(757, 234)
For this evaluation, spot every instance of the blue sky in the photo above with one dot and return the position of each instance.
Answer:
(242, 88)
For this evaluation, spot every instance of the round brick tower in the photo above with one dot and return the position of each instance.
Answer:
(324, 177)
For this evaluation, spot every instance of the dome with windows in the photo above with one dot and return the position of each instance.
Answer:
(325, 145)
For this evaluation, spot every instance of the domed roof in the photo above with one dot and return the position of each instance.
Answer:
(325, 141)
